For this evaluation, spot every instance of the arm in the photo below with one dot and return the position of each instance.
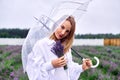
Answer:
(37, 68)
(76, 69)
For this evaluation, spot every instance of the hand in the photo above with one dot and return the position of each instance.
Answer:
(87, 63)
(59, 62)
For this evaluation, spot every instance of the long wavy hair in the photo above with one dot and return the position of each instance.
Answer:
(68, 40)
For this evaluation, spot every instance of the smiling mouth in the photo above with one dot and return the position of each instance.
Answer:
(60, 36)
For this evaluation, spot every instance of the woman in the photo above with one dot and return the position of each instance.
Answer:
(43, 64)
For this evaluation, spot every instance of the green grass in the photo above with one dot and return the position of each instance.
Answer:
(4, 55)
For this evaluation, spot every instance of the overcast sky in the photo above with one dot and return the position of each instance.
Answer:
(102, 16)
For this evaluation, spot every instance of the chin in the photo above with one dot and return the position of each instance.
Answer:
(58, 38)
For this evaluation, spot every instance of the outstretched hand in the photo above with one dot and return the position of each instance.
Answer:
(87, 63)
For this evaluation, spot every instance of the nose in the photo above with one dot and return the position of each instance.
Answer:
(63, 32)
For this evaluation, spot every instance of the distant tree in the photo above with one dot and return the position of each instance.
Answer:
(4, 34)
(97, 36)
(13, 33)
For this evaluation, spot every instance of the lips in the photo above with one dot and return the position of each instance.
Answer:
(60, 36)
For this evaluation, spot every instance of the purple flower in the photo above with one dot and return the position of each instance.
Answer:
(58, 50)
(16, 78)
(12, 74)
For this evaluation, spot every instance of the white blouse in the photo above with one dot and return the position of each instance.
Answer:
(39, 65)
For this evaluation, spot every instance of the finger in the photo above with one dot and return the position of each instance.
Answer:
(86, 60)
(63, 64)
(63, 60)
(88, 63)
(61, 57)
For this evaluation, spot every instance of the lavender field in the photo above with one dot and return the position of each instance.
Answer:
(10, 63)
(109, 68)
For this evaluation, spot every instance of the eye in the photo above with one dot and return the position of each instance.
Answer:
(67, 31)
(62, 27)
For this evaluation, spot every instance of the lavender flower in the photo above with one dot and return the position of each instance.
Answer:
(16, 78)
(12, 74)
(58, 49)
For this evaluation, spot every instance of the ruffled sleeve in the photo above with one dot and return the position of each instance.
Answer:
(74, 68)
(37, 68)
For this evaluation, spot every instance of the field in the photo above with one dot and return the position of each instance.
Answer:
(109, 62)
(109, 68)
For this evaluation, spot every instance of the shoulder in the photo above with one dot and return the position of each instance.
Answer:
(43, 41)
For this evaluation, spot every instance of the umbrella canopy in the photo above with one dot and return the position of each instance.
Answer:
(76, 8)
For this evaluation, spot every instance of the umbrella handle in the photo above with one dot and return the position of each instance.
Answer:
(96, 65)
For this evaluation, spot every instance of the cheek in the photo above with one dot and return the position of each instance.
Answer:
(67, 34)
(56, 32)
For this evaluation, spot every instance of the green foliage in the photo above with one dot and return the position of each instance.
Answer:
(13, 33)
(5, 72)
(23, 77)
(1, 51)
(115, 72)
(4, 55)
(96, 36)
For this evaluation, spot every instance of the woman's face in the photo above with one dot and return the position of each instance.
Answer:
(63, 30)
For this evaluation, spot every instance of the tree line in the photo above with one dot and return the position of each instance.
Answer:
(13, 33)
(97, 36)
(22, 33)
